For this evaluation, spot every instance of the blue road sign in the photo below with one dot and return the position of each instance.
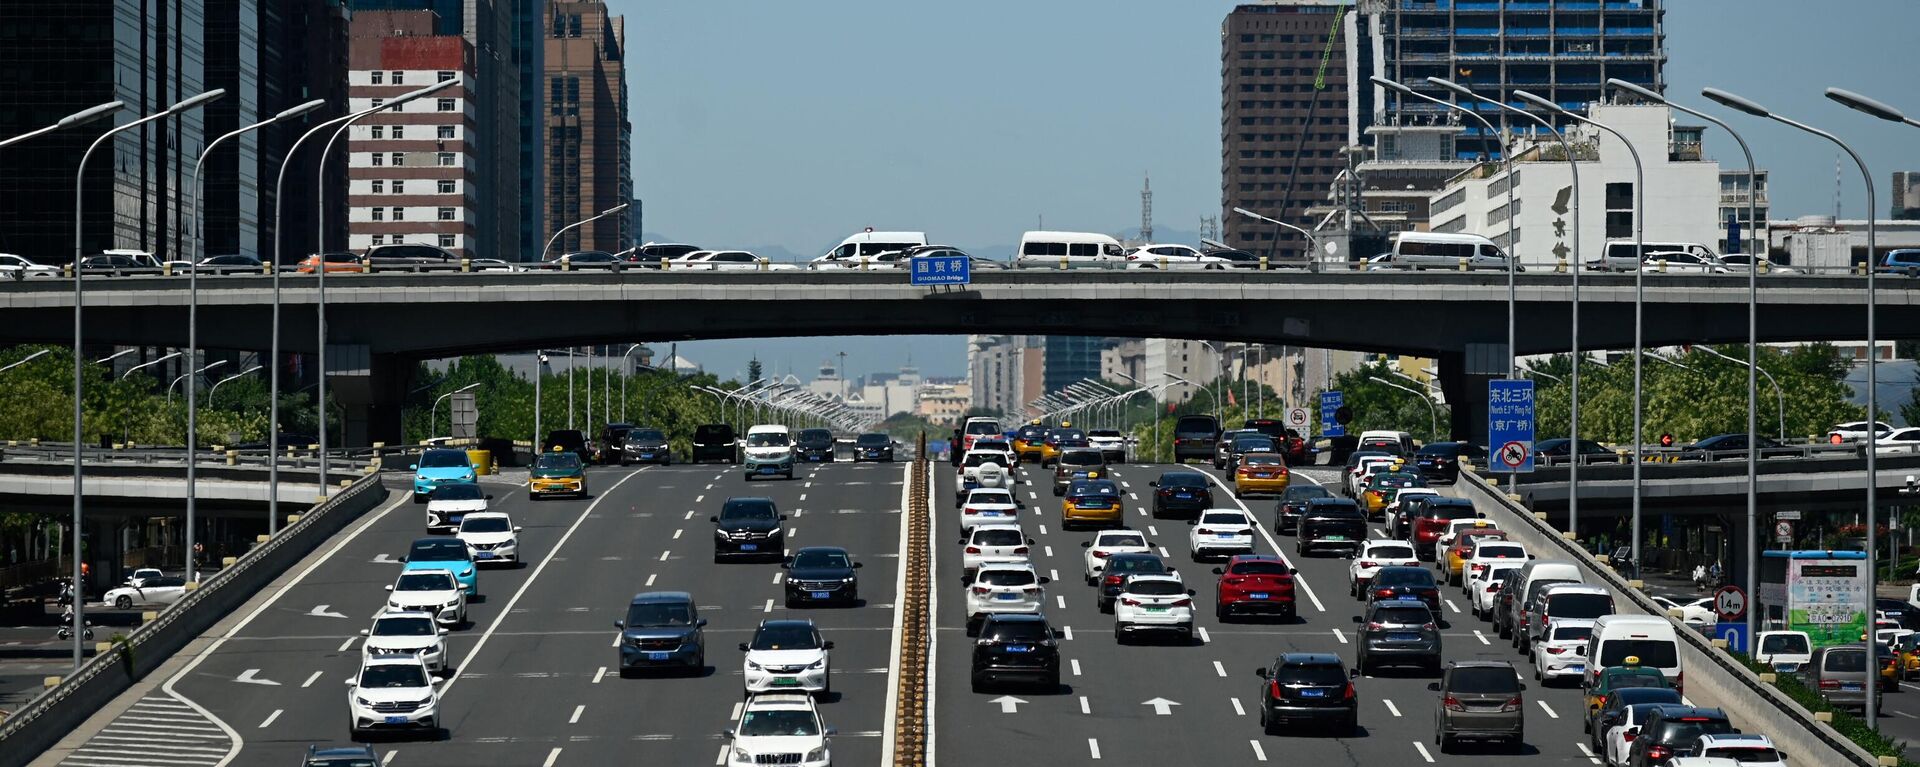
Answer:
(1510, 425)
(1330, 403)
(942, 270)
(1733, 235)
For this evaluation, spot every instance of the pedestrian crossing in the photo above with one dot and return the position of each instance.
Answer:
(159, 731)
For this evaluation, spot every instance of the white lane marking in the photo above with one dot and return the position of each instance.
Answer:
(311, 679)
(1204, 639)
(1391, 709)
(348, 643)
(1084, 708)
(1068, 630)
(1043, 529)
(577, 711)
(1298, 580)
(777, 577)
(1151, 530)
(650, 577)
(1093, 748)
(1074, 664)
(270, 717)
(663, 554)
(600, 674)
(890, 722)
(738, 707)
(1031, 495)
(710, 485)
(1133, 496)
(803, 496)
(1452, 606)
(1548, 709)
(1126, 484)
(1141, 509)
(616, 640)
(1053, 575)
(1481, 637)
(1423, 751)
(722, 758)
(1048, 549)
(1340, 636)
(552, 757)
(534, 576)
(1163, 552)
(1219, 669)
(1259, 754)
(793, 531)
(768, 608)
(676, 533)
(689, 514)
(1588, 751)
(388, 759)
(699, 498)
(1238, 710)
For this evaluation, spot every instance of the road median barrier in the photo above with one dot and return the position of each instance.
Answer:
(910, 696)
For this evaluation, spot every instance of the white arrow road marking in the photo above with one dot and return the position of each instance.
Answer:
(321, 611)
(247, 677)
(1161, 706)
(384, 559)
(1008, 704)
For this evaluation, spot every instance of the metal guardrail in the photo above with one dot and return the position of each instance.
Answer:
(116, 665)
(1657, 454)
(910, 697)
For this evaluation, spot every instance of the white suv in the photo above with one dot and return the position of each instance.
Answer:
(788, 656)
(1153, 603)
(1221, 532)
(434, 592)
(491, 537)
(988, 505)
(780, 728)
(1561, 652)
(994, 543)
(1004, 587)
(392, 692)
(1373, 556)
(410, 632)
(1107, 543)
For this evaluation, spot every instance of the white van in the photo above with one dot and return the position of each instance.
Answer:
(1438, 250)
(868, 244)
(1619, 637)
(1526, 586)
(1049, 248)
(1619, 254)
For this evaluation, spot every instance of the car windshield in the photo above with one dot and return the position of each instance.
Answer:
(998, 537)
(659, 614)
(1069, 434)
(1104, 433)
(1784, 643)
(646, 435)
(1252, 444)
(1584, 606)
(1653, 653)
(443, 459)
(439, 550)
(784, 636)
(1156, 588)
(1223, 518)
(1397, 481)
(1126, 539)
(775, 723)
(391, 675)
(342, 761)
(458, 493)
(748, 509)
(1317, 674)
(1006, 578)
(404, 627)
(996, 445)
(816, 559)
(815, 436)
(1572, 633)
(1183, 480)
(1095, 488)
(1139, 564)
(1687, 730)
(1304, 492)
(977, 459)
(1403, 576)
(1761, 754)
(1403, 615)
(983, 427)
(1644, 688)
(1081, 458)
(1844, 661)
(486, 525)
(1263, 460)
(424, 582)
(1501, 551)
(1451, 511)
(558, 461)
(1017, 631)
(1483, 680)
(1261, 567)
(983, 497)
(1391, 551)
(767, 439)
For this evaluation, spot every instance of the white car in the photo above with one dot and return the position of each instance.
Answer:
(411, 633)
(1562, 652)
(1856, 431)
(1677, 262)
(994, 543)
(491, 536)
(999, 447)
(1617, 746)
(780, 728)
(1373, 556)
(447, 504)
(1786, 651)
(151, 592)
(1486, 553)
(1004, 587)
(1367, 467)
(1901, 441)
(1110, 442)
(434, 592)
(22, 268)
(1745, 749)
(1153, 603)
(1161, 256)
(392, 692)
(140, 576)
(986, 506)
(1484, 585)
(787, 656)
(726, 261)
(1220, 532)
(1454, 526)
(1696, 614)
(1107, 543)
(1394, 508)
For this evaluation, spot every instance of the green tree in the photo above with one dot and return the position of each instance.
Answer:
(1376, 405)
(1701, 396)
(753, 369)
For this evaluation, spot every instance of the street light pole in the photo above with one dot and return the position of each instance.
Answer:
(435, 410)
(1433, 413)
(1313, 245)
(183, 376)
(22, 361)
(78, 118)
(150, 363)
(578, 224)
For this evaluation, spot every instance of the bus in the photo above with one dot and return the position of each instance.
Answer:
(1823, 593)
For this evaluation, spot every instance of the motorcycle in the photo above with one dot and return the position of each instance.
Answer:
(66, 627)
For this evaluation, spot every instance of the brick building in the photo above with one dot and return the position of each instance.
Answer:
(412, 173)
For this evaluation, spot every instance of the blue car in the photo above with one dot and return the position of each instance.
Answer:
(445, 554)
(439, 467)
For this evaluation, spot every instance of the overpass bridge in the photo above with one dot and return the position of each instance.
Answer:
(382, 323)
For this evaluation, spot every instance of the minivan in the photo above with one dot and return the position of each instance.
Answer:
(1567, 601)
(1619, 637)
(1398, 443)
(1438, 250)
(1521, 584)
(1194, 436)
(1053, 248)
(1839, 672)
(715, 442)
(868, 244)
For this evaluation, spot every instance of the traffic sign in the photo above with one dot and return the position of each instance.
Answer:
(1783, 532)
(1787, 515)
(1297, 418)
(1330, 404)
(942, 270)
(1730, 603)
(1510, 424)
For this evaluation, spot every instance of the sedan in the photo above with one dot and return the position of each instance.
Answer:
(1373, 556)
(1696, 614)
(1107, 543)
(1220, 532)
(1293, 503)
(164, 590)
(1405, 583)
(1726, 447)
(818, 574)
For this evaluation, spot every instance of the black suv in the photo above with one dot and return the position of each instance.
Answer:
(645, 445)
(748, 527)
(1016, 647)
(821, 574)
(1187, 492)
(1670, 730)
(715, 442)
(813, 446)
(1335, 524)
(1398, 631)
(873, 446)
(569, 440)
(1308, 687)
(1293, 504)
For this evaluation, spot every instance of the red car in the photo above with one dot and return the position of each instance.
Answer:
(1433, 523)
(1254, 584)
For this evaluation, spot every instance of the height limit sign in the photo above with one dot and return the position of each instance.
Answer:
(1510, 425)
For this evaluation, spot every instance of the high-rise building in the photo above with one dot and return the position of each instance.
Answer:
(1285, 113)
(587, 141)
(413, 175)
(530, 56)
(1070, 360)
(64, 57)
(1906, 194)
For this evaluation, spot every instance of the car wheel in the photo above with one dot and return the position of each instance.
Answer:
(979, 683)
(1106, 606)
(1444, 743)
(1353, 725)
(123, 602)
(1267, 726)
(1220, 612)
(418, 498)
(1119, 634)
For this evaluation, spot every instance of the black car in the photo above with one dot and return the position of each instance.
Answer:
(1727, 447)
(748, 527)
(646, 445)
(1561, 448)
(821, 574)
(357, 755)
(1669, 730)
(1440, 461)
(569, 440)
(1314, 688)
(662, 630)
(1331, 524)
(1404, 583)
(588, 259)
(1614, 705)
(1186, 492)
(612, 437)
(1397, 631)
(1194, 436)
(715, 442)
(1121, 566)
(813, 446)
(1016, 647)
(873, 446)
(1293, 504)
(228, 264)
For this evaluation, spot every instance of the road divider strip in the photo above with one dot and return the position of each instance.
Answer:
(909, 718)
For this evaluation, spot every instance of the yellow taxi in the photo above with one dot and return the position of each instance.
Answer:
(1091, 502)
(1908, 646)
(1261, 473)
(1029, 442)
(1463, 544)
(1383, 487)
(560, 472)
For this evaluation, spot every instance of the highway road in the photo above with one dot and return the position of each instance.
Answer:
(536, 680)
(1101, 712)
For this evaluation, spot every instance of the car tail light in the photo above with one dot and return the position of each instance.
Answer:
(1033, 590)
(1368, 564)
(973, 549)
(1347, 694)
(1512, 704)
(1204, 531)
(1273, 689)
(982, 590)
(1232, 580)
(1130, 601)
(1243, 471)
(1183, 602)
(1629, 735)
(1383, 593)
(1098, 554)
(1658, 752)
(1282, 471)
(1019, 549)
(1113, 580)
(1829, 684)
(1556, 650)
(969, 510)
(1492, 587)
(1451, 703)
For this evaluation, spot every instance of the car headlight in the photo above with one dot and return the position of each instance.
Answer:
(817, 754)
(741, 755)
(453, 604)
(752, 666)
(848, 579)
(721, 534)
(364, 702)
(466, 573)
(819, 664)
(394, 605)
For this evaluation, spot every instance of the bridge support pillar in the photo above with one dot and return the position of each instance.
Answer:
(1463, 381)
(370, 390)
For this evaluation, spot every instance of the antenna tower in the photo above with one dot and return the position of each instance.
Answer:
(1146, 209)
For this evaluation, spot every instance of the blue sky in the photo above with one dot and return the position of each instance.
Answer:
(771, 125)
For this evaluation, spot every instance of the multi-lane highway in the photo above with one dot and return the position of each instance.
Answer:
(1198, 704)
(536, 677)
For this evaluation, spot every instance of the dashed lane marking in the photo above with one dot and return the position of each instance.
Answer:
(1048, 549)
(1423, 751)
(552, 757)
(1391, 709)
(311, 679)
(651, 577)
(663, 554)
(1084, 708)
(1204, 638)
(575, 719)
(1481, 637)
(1591, 757)
(600, 674)
(1548, 709)
(1219, 669)
(1238, 710)
(346, 644)
(768, 608)
(1259, 754)
(1060, 600)
(676, 533)
(270, 717)
(1074, 665)
(1340, 636)
(1093, 748)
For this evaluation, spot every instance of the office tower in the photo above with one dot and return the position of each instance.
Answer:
(413, 172)
(589, 153)
(529, 56)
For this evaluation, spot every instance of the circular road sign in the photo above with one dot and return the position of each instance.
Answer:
(1730, 602)
(1297, 417)
(1513, 454)
(1783, 530)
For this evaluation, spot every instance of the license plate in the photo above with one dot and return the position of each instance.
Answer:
(483, 555)
(1007, 597)
(659, 655)
(819, 594)
(1313, 693)
(1225, 536)
(1850, 685)
(1156, 609)
(1260, 595)
(1577, 667)
(646, 455)
(749, 547)
(1183, 496)
(1019, 648)
(784, 682)
(455, 519)
(1403, 637)
(1079, 475)
(396, 720)
(766, 470)
(1336, 538)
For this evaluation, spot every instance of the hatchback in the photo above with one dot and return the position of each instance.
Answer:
(1839, 672)
(1254, 584)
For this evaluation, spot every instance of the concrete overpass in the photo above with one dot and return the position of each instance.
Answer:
(382, 323)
